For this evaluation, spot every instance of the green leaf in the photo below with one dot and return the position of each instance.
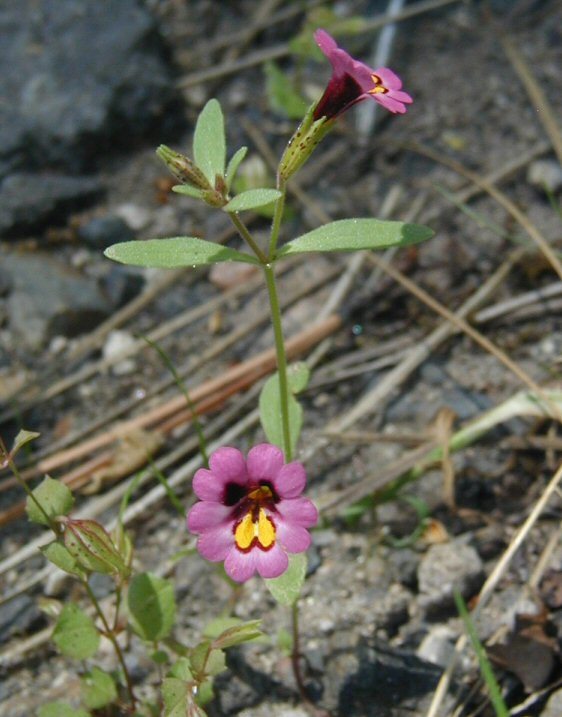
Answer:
(287, 587)
(75, 634)
(53, 496)
(251, 199)
(205, 693)
(57, 554)
(282, 95)
(237, 634)
(188, 189)
(174, 252)
(298, 376)
(270, 414)
(357, 234)
(209, 143)
(152, 606)
(270, 405)
(285, 641)
(233, 165)
(22, 439)
(98, 688)
(179, 699)
(182, 670)
(60, 709)
(216, 663)
(174, 694)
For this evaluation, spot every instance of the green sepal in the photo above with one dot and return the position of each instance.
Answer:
(189, 190)
(93, 549)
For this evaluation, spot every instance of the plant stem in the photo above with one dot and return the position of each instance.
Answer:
(110, 634)
(51, 523)
(248, 238)
(277, 217)
(295, 662)
(281, 358)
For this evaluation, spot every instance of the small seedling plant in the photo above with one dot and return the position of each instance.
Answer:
(250, 514)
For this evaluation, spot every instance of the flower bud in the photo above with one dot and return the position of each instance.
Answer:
(183, 169)
(92, 548)
(303, 142)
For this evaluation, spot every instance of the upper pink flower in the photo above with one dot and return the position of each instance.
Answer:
(353, 81)
(251, 513)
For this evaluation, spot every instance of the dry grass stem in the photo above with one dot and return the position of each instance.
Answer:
(491, 583)
(538, 99)
(519, 216)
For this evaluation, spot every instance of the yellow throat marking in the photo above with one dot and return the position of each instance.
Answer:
(250, 531)
(378, 88)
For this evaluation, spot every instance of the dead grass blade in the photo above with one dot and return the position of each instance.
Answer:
(484, 184)
(538, 99)
(491, 583)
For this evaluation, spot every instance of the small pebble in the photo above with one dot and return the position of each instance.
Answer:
(545, 174)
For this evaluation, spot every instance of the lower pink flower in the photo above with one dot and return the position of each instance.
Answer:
(251, 513)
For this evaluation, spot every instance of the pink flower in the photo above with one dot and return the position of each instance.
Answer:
(353, 81)
(251, 513)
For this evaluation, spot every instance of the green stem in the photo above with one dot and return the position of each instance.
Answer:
(182, 387)
(248, 238)
(110, 634)
(281, 358)
(277, 217)
(51, 523)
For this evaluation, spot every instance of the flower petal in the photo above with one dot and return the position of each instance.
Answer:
(271, 563)
(325, 42)
(264, 462)
(228, 465)
(389, 103)
(290, 481)
(299, 511)
(204, 516)
(293, 538)
(214, 544)
(240, 566)
(389, 78)
(208, 486)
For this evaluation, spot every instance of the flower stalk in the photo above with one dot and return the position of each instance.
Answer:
(281, 357)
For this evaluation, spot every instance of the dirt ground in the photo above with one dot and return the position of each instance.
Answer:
(470, 158)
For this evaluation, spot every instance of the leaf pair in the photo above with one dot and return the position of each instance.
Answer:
(343, 235)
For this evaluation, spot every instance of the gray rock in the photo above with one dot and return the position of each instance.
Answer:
(386, 683)
(121, 284)
(27, 201)
(444, 568)
(438, 646)
(77, 74)
(17, 616)
(6, 283)
(49, 298)
(101, 232)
